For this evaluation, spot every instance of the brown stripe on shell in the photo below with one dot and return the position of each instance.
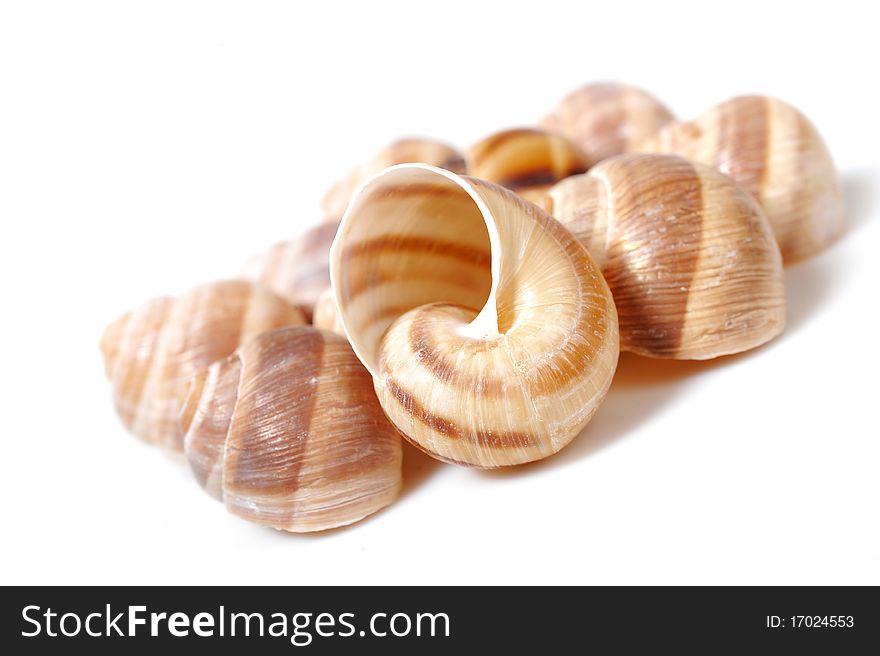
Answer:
(648, 291)
(290, 434)
(354, 285)
(543, 177)
(462, 252)
(263, 455)
(448, 428)
(742, 133)
(205, 421)
(525, 158)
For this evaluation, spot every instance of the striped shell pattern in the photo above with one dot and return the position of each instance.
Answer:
(488, 329)
(771, 149)
(152, 353)
(689, 255)
(288, 432)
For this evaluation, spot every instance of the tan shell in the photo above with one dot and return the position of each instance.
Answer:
(297, 269)
(607, 118)
(289, 434)
(152, 353)
(403, 151)
(775, 152)
(688, 254)
(489, 330)
(326, 316)
(525, 160)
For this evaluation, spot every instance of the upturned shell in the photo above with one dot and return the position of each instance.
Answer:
(288, 433)
(525, 160)
(403, 151)
(297, 269)
(607, 118)
(488, 329)
(152, 353)
(688, 254)
(776, 153)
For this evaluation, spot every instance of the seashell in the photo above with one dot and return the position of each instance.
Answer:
(689, 255)
(776, 153)
(525, 160)
(152, 353)
(288, 433)
(488, 329)
(326, 316)
(607, 118)
(402, 151)
(297, 269)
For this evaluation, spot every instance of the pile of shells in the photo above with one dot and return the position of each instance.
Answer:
(475, 302)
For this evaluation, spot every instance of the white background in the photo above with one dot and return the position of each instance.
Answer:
(147, 147)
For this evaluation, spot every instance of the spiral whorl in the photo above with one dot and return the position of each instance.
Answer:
(489, 330)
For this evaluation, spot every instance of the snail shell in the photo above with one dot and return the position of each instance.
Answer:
(488, 329)
(152, 353)
(297, 269)
(326, 316)
(403, 151)
(776, 153)
(688, 254)
(288, 433)
(525, 160)
(607, 118)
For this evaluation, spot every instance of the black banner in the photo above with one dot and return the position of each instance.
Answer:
(438, 620)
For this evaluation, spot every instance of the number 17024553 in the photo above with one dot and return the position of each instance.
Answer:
(810, 622)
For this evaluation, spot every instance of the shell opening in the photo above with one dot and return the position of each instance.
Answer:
(414, 235)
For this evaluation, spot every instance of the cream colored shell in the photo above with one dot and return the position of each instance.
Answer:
(152, 353)
(776, 153)
(607, 118)
(688, 254)
(288, 433)
(488, 329)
